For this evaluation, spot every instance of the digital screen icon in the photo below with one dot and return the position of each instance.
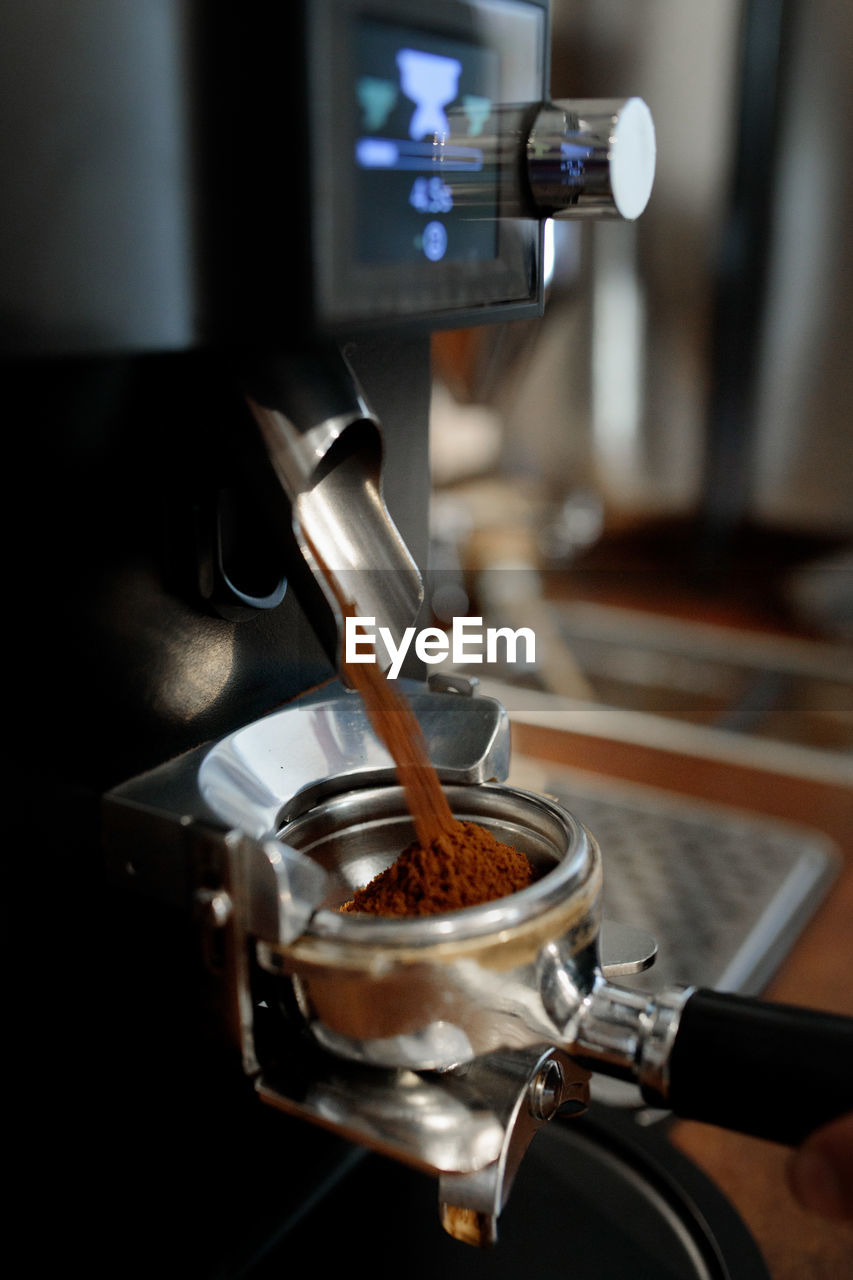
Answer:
(424, 104)
(435, 241)
(431, 81)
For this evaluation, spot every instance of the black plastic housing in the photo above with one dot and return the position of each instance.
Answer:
(770, 1070)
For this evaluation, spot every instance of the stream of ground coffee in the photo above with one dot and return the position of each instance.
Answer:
(451, 864)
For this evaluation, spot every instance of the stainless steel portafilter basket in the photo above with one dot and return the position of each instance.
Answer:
(432, 992)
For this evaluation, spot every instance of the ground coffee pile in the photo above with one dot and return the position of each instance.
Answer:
(466, 867)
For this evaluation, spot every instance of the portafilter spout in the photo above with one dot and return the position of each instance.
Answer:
(325, 447)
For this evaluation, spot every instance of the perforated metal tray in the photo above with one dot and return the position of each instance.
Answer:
(725, 893)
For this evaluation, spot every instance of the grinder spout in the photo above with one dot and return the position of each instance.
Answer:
(325, 447)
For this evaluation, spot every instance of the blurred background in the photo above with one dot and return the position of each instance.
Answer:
(667, 458)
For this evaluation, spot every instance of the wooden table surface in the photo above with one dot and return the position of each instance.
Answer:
(818, 972)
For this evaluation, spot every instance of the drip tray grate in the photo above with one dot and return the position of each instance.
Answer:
(725, 893)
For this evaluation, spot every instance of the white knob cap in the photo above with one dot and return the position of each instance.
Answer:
(592, 158)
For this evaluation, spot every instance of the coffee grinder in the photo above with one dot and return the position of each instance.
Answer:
(227, 234)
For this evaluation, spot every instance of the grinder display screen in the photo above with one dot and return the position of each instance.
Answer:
(414, 172)
(424, 192)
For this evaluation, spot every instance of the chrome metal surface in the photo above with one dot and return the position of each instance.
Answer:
(527, 1092)
(295, 453)
(325, 447)
(240, 791)
(245, 787)
(625, 950)
(658, 1041)
(269, 772)
(626, 1033)
(436, 1122)
(469, 1127)
(592, 158)
(284, 890)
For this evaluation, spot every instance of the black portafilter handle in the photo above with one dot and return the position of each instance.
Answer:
(770, 1070)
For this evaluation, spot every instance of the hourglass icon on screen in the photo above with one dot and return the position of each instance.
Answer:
(431, 81)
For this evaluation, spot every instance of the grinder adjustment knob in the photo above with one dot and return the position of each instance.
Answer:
(591, 158)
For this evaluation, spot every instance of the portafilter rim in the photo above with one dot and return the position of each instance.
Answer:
(577, 861)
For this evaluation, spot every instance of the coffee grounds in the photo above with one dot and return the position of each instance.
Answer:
(397, 726)
(464, 868)
(451, 864)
